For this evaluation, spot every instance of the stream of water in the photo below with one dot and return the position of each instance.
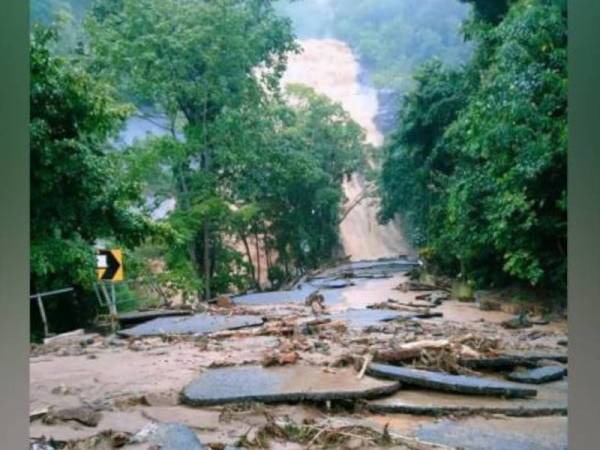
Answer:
(330, 67)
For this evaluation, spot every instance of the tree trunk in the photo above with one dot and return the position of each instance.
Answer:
(207, 276)
(183, 199)
(267, 253)
(249, 256)
(257, 246)
(207, 271)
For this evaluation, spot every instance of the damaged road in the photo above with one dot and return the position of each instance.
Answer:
(281, 385)
(271, 370)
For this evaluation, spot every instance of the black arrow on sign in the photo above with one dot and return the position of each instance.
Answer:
(111, 263)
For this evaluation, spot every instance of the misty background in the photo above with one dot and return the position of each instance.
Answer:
(390, 37)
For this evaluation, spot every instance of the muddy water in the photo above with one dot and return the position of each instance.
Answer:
(330, 67)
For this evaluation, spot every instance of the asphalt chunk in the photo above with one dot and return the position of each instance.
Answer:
(450, 383)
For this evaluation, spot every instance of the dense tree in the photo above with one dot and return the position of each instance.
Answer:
(312, 146)
(194, 59)
(393, 37)
(495, 210)
(251, 165)
(417, 149)
(79, 190)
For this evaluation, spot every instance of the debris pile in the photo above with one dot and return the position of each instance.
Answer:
(339, 361)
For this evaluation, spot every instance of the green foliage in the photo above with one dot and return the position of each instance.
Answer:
(489, 11)
(393, 37)
(249, 166)
(79, 191)
(484, 149)
(207, 62)
(418, 152)
(189, 56)
(316, 145)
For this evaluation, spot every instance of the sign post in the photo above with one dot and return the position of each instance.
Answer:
(109, 269)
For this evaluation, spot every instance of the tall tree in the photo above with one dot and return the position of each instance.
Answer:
(195, 59)
(79, 190)
(496, 211)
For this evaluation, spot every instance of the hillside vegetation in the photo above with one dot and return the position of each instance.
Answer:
(477, 164)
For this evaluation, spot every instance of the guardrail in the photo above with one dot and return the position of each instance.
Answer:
(40, 302)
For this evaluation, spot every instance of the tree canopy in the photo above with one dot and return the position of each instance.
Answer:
(478, 163)
(252, 165)
(78, 189)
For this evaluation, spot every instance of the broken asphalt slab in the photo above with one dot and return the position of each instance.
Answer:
(450, 383)
(552, 399)
(196, 324)
(380, 266)
(540, 433)
(330, 283)
(145, 316)
(274, 297)
(169, 436)
(281, 385)
(538, 376)
(511, 360)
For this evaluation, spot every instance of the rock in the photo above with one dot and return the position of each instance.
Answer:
(563, 342)
(517, 323)
(449, 383)
(168, 436)
(136, 317)
(113, 341)
(280, 385)
(61, 389)
(538, 376)
(83, 414)
(38, 414)
(488, 304)
(539, 321)
(196, 324)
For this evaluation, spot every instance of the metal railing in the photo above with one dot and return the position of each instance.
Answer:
(40, 302)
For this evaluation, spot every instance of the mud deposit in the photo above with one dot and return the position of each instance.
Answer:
(312, 365)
